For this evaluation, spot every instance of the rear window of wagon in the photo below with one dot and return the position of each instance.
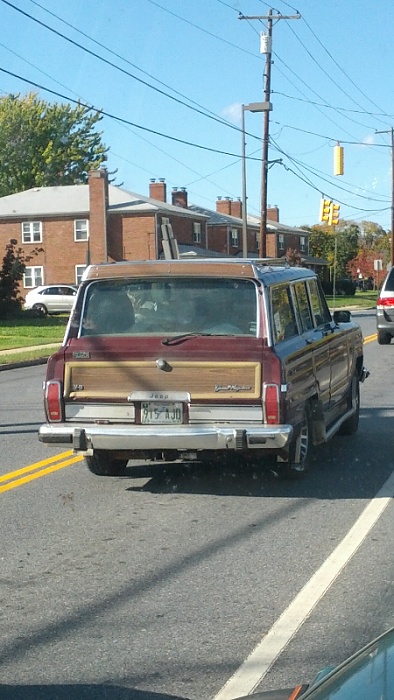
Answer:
(170, 306)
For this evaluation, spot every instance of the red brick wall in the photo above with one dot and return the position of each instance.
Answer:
(98, 197)
(236, 208)
(158, 190)
(273, 214)
(223, 206)
(138, 237)
(272, 251)
(58, 252)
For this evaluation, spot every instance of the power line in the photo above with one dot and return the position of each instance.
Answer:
(114, 53)
(125, 121)
(119, 68)
(201, 29)
(323, 69)
(328, 106)
(299, 164)
(343, 71)
(332, 138)
(317, 95)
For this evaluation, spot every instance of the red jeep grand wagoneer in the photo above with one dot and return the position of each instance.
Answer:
(202, 360)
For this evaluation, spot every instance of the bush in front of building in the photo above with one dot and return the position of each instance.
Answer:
(11, 273)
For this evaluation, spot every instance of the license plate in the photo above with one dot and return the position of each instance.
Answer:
(161, 412)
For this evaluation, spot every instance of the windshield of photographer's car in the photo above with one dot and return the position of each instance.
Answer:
(170, 306)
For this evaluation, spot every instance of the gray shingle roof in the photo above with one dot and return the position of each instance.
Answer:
(73, 200)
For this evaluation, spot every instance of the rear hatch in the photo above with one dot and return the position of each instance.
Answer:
(187, 341)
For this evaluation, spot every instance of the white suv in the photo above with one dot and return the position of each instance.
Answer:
(51, 299)
(385, 310)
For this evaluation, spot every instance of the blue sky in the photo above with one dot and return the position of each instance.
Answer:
(331, 82)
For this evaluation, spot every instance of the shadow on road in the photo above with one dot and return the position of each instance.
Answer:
(346, 467)
(78, 692)
(17, 428)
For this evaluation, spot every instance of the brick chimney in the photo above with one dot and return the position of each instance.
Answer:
(98, 207)
(179, 197)
(223, 206)
(273, 214)
(158, 189)
(236, 208)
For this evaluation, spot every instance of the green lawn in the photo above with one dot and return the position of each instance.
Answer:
(364, 300)
(22, 332)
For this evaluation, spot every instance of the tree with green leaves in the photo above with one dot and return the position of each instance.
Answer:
(11, 273)
(322, 244)
(43, 144)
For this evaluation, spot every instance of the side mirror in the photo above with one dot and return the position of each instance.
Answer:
(342, 316)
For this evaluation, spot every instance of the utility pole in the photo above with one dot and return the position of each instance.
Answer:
(391, 132)
(266, 47)
(392, 198)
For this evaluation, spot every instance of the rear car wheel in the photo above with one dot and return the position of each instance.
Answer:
(384, 338)
(40, 309)
(350, 426)
(102, 464)
(300, 449)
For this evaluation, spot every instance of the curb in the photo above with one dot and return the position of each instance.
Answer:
(24, 363)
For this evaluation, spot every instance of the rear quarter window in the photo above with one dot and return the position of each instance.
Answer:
(389, 285)
(302, 306)
(319, 306)
(284, 323)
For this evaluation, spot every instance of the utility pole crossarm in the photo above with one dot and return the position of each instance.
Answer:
(297, 16)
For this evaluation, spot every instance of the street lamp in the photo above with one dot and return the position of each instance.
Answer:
(252, 107)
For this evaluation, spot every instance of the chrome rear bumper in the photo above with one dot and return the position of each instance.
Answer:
(179, 437)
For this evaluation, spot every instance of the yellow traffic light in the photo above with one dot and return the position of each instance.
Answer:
(338, 160)
(334, 214)
(325, 208)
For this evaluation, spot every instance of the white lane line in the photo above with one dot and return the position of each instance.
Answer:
(254, 668)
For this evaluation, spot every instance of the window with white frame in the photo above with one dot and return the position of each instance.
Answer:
(234, 237)
(81, 230)
(303, 243)
(79, 270)
(32, 232)
(281, 241)
(196, 232)
(33, 276)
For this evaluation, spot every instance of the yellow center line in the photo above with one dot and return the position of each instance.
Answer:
(37, 465)
(39, 471)
(370, 338)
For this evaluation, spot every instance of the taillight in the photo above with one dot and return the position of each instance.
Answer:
(384, 302)
(54, 401)
(271, 396)
(271, 403)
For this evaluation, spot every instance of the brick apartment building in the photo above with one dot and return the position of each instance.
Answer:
(61, 229)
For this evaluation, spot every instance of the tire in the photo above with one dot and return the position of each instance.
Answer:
(384, 338)
(102, 464)
(300, 450)
(40, 309)
(350, 426)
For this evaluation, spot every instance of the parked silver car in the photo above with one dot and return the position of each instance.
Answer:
(51, 299)
(385, 310)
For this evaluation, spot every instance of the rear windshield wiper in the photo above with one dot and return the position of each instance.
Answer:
(173, 340)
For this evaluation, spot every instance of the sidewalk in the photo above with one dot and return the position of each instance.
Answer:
(29, 348)
(47, 351)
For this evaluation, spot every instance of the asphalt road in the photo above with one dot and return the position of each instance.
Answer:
(162, 583)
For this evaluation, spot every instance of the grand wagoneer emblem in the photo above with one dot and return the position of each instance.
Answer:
(233, 387)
